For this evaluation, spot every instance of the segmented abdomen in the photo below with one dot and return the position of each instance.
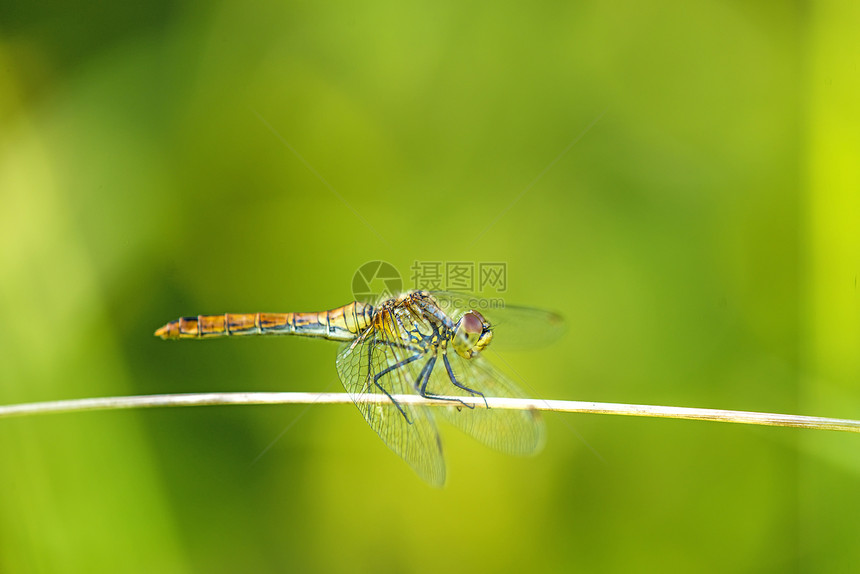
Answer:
(341, 324)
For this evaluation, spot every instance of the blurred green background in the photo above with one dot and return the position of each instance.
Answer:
(701, 239)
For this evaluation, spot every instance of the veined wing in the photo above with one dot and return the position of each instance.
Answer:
(416, 439)
(514, 327)
(511, 431)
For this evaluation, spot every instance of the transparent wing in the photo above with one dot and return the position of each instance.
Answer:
(417, 439)
(510, 431)
(514, 327)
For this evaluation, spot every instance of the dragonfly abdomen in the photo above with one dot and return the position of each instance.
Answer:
(341, 324)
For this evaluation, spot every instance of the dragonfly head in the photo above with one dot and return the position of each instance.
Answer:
(472, 334)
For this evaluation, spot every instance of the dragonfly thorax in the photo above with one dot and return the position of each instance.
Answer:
(472, 334)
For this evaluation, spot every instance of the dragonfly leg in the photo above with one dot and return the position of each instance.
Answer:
(424, 376)
(421, 386)
(457, 384)
(387, 370)
(399, 346)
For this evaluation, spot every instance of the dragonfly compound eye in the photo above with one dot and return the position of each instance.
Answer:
(472, 334)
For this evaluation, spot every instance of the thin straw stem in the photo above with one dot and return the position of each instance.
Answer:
(203, 399)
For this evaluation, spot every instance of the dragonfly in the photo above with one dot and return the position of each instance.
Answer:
(419, 342)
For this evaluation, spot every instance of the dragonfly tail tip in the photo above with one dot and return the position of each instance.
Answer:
(164, 332)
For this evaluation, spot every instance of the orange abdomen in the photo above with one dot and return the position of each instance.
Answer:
(341, 324)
